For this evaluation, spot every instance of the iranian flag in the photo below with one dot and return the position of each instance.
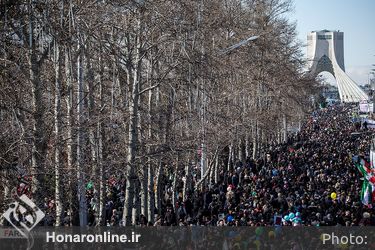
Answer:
(367, 172)
(368, 186)
(367, 193)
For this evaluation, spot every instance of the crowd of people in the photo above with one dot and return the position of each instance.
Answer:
(310, 180)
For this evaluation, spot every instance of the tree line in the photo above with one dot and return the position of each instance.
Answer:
(142, 89)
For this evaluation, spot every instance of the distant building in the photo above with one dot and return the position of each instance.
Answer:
(325, 52)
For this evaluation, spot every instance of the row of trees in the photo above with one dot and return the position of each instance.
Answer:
(91, 89)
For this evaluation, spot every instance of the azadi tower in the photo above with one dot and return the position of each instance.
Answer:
(325, 52)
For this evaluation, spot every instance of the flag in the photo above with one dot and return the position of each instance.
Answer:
(368, 186)
(366, 171)
(366, 193)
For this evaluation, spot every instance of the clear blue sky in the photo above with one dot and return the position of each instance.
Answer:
(356, 18)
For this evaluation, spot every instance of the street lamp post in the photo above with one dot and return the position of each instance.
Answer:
(237, 45)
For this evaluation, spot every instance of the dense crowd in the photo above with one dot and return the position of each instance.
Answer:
(310, 180)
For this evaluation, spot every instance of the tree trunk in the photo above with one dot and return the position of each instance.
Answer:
(91, 104)
(264, 143)
(174, 183)
(158, 187)
(102, 183)
(201, 181)
(58, 200)
(80, 158)
(240, 151)
(133, 129)
(285, 129)
(187, 180)
(216, 174)
(136, 203)
(255, 140)
(150, 173)
(247, 146)
(143, 168)
(211, 177)
(101, 136)
(143, 189)
(230, 156)
(38, 141)
(69, 129)
(150, 196)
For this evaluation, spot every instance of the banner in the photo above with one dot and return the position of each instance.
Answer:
(365, 107)
(372, 153)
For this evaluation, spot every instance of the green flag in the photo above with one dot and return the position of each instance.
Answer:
(366, 193)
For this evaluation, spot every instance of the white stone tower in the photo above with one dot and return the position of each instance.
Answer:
(325, 52)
